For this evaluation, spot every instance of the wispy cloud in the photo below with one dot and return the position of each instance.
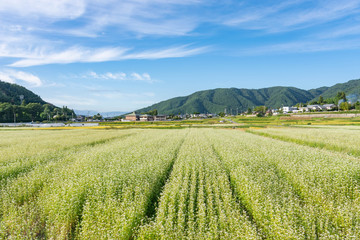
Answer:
(12, 76)
(156, 17)
(291, 15)
(44, 8)
(341, 31)
(129, 29)
(81, 54)
(120, 76)
(302, 47)
(70, 55)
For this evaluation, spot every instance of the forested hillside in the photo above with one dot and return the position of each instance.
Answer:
(18, 104)
(234, 99)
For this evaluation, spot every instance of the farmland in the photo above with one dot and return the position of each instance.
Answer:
(190, 183)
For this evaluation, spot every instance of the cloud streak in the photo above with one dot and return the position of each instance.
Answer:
(12, 76)
(292, 15)
(302, 47)
(129, 29)
(88, 55)
(120, 76)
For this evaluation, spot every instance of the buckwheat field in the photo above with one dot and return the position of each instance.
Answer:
(191, 183)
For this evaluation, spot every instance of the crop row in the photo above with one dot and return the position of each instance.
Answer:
(345, 139)
(98, 192)
(22, 155)
(197, 201)
(292, 191)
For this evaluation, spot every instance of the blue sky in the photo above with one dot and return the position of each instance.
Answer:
(123, 55)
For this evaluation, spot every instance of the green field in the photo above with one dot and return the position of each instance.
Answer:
(189, 183)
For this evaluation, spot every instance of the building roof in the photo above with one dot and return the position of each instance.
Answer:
(329, 105)
(132, 114)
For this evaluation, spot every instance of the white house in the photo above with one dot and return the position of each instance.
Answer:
(329, 106)
(316, 107)
(289, 109)
(304, 109)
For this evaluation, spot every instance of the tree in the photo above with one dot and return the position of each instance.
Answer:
(14, 108)
(249, 111)
(357, 105)
(261, 110)
(340, 96)
(221, 114)
(45, 115)
(321, 100)
(34, 110)
(152, 112)
(345, 106)
(97, 117)
(6, 112)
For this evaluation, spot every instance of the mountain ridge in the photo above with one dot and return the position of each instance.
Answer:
(11, 92)
(240, 99)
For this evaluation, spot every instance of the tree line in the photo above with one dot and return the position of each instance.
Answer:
(32, 112)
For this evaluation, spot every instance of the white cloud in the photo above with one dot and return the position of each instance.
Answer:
(342, 31)
(70, 55)
(174, 52)
(44, 8)
(292, 15)
(156, 17)
(80, 54)
(12, 76)
(144, 77)
(303, 47)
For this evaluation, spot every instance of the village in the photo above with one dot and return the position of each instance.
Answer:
(251, 112)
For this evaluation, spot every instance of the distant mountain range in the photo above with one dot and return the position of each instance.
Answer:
(235, 99)
(209, 101)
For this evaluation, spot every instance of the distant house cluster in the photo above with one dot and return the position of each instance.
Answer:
(144, 117)
(309, 108)
(132, 117)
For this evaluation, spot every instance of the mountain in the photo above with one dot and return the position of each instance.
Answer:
(11, 93)
(234, 99)
(350, 87)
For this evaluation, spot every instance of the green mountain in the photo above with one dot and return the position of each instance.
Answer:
(10, 93)
(234, 99)
(350, 87)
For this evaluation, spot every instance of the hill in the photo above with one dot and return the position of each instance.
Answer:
(217, 100)
(350, 87)
(32, 109)
(10, 93)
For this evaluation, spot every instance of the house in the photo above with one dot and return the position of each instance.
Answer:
(304, 109)
(289, 109)
(316, 107)
(80, 118)
(160, 118)
(146, 117)
(132, 117)
(329, 106)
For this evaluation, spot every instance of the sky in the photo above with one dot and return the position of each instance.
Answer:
(108, 55)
